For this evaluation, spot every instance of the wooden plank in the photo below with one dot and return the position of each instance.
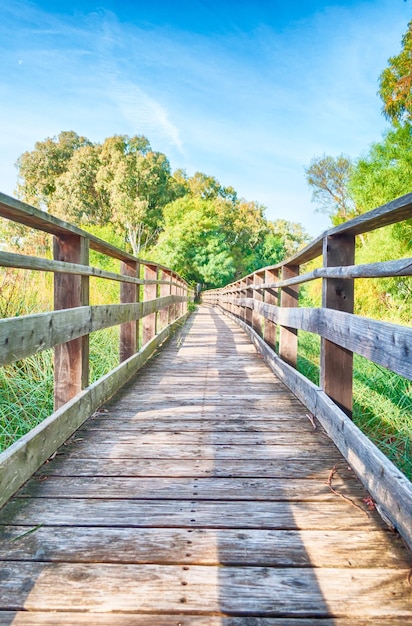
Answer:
(271, 298)
(187, 514)
(205, 438)
(187, 451)
(381, 269)
(336, 362)
(396, 211)
(24, 213)
(38, 618)
(165, 290)
(24, 261)
(384, 343)
(389, 488)
(228, 489)
(25, 456)
(207, 589)
(252, 468)
(178, 425)
(266, 548)
(258, 279)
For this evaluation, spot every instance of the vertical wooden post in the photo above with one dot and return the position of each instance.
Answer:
(249, 294)
(257, 296)
(129, 331)
(271, 297)
(164, 291)
(185, 293)
(71, 359)
(336, 374)
(237, 295)
(180, 293)
(288, 340)
(173, 291)
(150, 293)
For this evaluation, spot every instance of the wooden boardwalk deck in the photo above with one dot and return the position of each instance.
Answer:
(199, 496)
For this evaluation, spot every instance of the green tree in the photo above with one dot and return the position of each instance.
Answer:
(193, 244)
(215, 240)
(77, 197)
(138, 183)
(122, 182)
(385, 172)
(328, 177)
(395, 83)
(381, 175)
(40, 168)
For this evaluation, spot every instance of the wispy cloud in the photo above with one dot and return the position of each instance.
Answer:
(249, 95)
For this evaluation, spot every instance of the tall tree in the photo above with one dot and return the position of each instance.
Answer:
(395, 83)
(328, 177)
(138, 183)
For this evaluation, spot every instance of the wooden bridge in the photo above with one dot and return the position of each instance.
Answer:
(200, 490)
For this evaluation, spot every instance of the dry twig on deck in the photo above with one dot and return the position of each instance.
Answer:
(341, 495)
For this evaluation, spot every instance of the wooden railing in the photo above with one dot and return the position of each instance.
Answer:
(150, 294)
(266, 305)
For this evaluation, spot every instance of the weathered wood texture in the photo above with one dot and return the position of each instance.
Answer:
(71, 359)
(199, 496)
(391, 490)
(336, 368)
(26, 335)
(386, 344)
(129, 332)
(21, 459)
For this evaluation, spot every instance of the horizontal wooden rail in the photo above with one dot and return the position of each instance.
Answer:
(21, 337)
(386, 344)
(22, 261)
(382, 269)
(268, 299)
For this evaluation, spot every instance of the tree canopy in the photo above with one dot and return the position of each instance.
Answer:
(194, 224)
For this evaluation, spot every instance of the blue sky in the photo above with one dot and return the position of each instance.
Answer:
(247, 91)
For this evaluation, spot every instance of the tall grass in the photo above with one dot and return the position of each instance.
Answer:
(26, 387)
(382, 406)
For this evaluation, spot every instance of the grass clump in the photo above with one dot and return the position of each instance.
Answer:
(382, 406)
(26, 387)
(26, 396)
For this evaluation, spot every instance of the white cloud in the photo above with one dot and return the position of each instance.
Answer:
(145, 115)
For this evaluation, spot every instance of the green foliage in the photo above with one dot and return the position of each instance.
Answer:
(395, 83)
(122, 181)
(213, 240)
(26, 387)
(40, 169)
(26, 396)
(385, 172)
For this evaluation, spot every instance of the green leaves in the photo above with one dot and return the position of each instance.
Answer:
(395, 83)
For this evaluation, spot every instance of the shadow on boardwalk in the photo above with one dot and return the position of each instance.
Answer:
(198, 497)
